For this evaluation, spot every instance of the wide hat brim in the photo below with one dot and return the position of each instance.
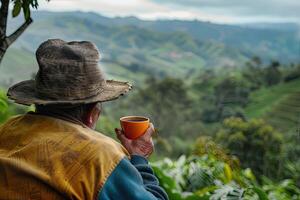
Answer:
(25, 93)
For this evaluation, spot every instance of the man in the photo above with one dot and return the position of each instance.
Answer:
(54, 153)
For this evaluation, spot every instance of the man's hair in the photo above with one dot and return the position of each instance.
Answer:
(77, 112)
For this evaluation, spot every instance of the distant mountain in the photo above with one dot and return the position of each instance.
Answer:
(279, 41)
(283, 27)
(134, 49)
(270, 41)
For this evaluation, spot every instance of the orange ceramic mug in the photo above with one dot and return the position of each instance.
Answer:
(134, 126)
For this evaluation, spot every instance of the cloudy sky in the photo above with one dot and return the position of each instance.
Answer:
(221, 11)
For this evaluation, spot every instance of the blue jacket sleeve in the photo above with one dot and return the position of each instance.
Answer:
(132, 180)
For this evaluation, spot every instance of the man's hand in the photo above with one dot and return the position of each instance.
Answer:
(142, 146)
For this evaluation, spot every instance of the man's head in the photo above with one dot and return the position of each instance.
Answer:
(69, 74)
(87, 114)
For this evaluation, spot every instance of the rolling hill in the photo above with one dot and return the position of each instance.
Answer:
(133, 49)
(270, 40)
(128, 49)
(278, 105)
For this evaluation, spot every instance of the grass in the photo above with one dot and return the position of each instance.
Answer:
(286, 114)
(278, 105)
(265, 99)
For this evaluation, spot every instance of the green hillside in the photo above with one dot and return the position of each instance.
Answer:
(279, 40)
(285, 115)
(128, 51)
(133, 49)
(17, 65)
(279, 105)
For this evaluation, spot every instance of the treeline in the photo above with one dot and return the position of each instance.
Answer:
(213, 104)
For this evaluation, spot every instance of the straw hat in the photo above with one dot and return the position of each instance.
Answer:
(68, 74)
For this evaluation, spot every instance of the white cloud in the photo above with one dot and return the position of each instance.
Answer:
(112, 7)
(246, 10)
(224, 11)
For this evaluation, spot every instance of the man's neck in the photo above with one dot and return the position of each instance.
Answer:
(62, 117)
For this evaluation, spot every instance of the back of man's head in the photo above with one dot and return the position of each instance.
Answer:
(77, 112)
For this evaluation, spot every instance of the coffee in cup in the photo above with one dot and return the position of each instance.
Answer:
(134, 126)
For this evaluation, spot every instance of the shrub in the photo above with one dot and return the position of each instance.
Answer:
(205, 177)
(257, 144)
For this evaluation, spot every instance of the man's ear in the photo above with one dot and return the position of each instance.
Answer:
(88, 118)
(92, 116)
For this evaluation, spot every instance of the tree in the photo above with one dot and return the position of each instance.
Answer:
(24, 5)
(8, 109)
(273, 74)
(229, 96)
(166, 101)
(168, 105)
(205, 145)
(255, 143)
(253, 72)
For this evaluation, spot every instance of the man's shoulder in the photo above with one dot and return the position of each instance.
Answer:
(56, 131)
(9, 123)
(103, 142)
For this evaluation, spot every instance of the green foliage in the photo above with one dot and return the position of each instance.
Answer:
(292, 170)
(205, 145)
(228, 192)
(285, 189)
(25, 6)
(291, 158)
(204, 177)
(272, 74)
(227, 97)
(230, 94)
(255, 143)
(4, 114)
(232, 90)
(253, 72)
(266, 99)
(293, 73)
(3, 106)
(165, 101)
(7, 109)
(106, 125)
(259, 75)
